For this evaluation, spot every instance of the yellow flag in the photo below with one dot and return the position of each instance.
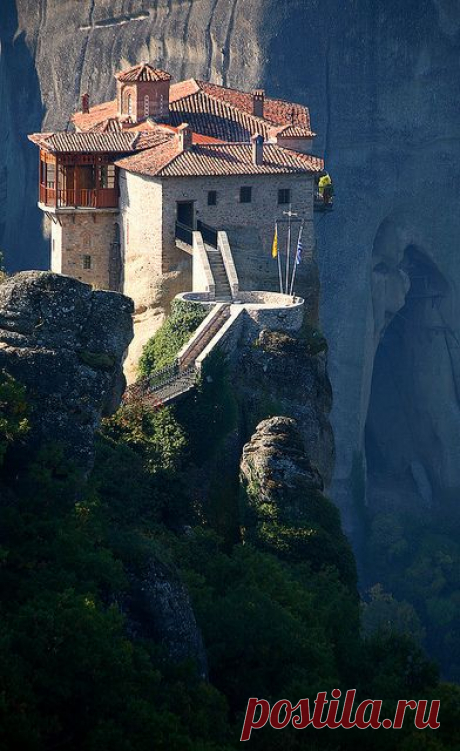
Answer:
(275, 243)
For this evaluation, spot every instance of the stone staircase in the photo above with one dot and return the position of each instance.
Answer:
(222, 287)
(168, 384)
(203, 336)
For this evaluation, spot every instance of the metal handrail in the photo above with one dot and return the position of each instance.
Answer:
(208, 233)
(184, 233)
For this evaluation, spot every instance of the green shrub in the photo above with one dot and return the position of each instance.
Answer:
(13, 412)
(162, 349)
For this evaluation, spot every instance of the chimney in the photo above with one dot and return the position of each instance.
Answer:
(85, 103)
(184, 133)
(258, 98)
(257, 149)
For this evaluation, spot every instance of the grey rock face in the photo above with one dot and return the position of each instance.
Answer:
(65, 343)
(285, 511)
(274, 461)
(278, 375)
(159, 608)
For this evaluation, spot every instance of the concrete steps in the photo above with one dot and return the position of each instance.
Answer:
(223, 289)
(204, 340)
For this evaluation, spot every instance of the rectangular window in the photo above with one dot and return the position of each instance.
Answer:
(86, 262)
(284, 196)
(245, 195)
(107, 176)
(212, 198)
(50, 175)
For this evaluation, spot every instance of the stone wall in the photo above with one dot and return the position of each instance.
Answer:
(269, 310)
(249, 226)
(144, 280)
(155, 270)
(157, 92)
(79, 234)
(203, 280)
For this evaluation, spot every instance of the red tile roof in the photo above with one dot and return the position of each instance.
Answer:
(291, 131)
(276, 111)
(215, 111)
(118, 142)
(96, 115)
(203, 160)
(143, 72)
(216, 118)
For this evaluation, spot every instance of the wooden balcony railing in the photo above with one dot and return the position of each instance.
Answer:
(93, 198)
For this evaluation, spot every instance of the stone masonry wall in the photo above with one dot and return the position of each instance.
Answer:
(141, 221)
(148, 217)
(249, 226)
(80, 234)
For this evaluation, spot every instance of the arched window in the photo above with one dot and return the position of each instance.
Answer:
(146, 105)
(129, 103)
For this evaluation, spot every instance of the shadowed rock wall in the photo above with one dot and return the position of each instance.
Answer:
(380, 78)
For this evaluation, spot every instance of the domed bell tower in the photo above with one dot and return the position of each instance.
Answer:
(142, 92)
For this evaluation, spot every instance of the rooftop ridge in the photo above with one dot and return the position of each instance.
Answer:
(143, 72)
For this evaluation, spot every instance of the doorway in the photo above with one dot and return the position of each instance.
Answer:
(186, 213)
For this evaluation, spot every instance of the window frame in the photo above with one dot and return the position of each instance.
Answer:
(248, 194)
(212, 197)
(288, 193)
(87, 262)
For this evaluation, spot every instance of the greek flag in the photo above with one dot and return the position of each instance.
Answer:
(298, 255)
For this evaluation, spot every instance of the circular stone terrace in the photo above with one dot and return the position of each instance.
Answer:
(267, 309)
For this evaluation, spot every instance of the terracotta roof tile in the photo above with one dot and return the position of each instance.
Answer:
(218, 159)
(277, 111)
(215, 111)
(97, 115)
(151, 161)
(228, 113)
(86, 142)
(216, 118)
(143, 72)
(183, 88)
(291, 131)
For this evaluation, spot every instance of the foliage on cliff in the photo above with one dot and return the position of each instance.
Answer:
(73, 672)
(13, 412)
(162, 349)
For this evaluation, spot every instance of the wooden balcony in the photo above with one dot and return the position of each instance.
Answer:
(83, 198)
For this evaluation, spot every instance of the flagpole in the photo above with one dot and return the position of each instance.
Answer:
(297, 261)
(288, 247)
(279, 261)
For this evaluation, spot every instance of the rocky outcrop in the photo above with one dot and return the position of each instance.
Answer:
(158, 607)
(274, 461)
(284, 509)
(287, 374)
(65, 343)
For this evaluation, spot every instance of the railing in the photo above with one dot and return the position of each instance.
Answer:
(209, 234)
(162, 386)
(321, 204)
(94, 198)
(160, 378)
(184, 233)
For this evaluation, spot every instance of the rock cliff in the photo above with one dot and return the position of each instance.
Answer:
(285, 511)
(378, 76)
(65, 343)
(285, 374)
